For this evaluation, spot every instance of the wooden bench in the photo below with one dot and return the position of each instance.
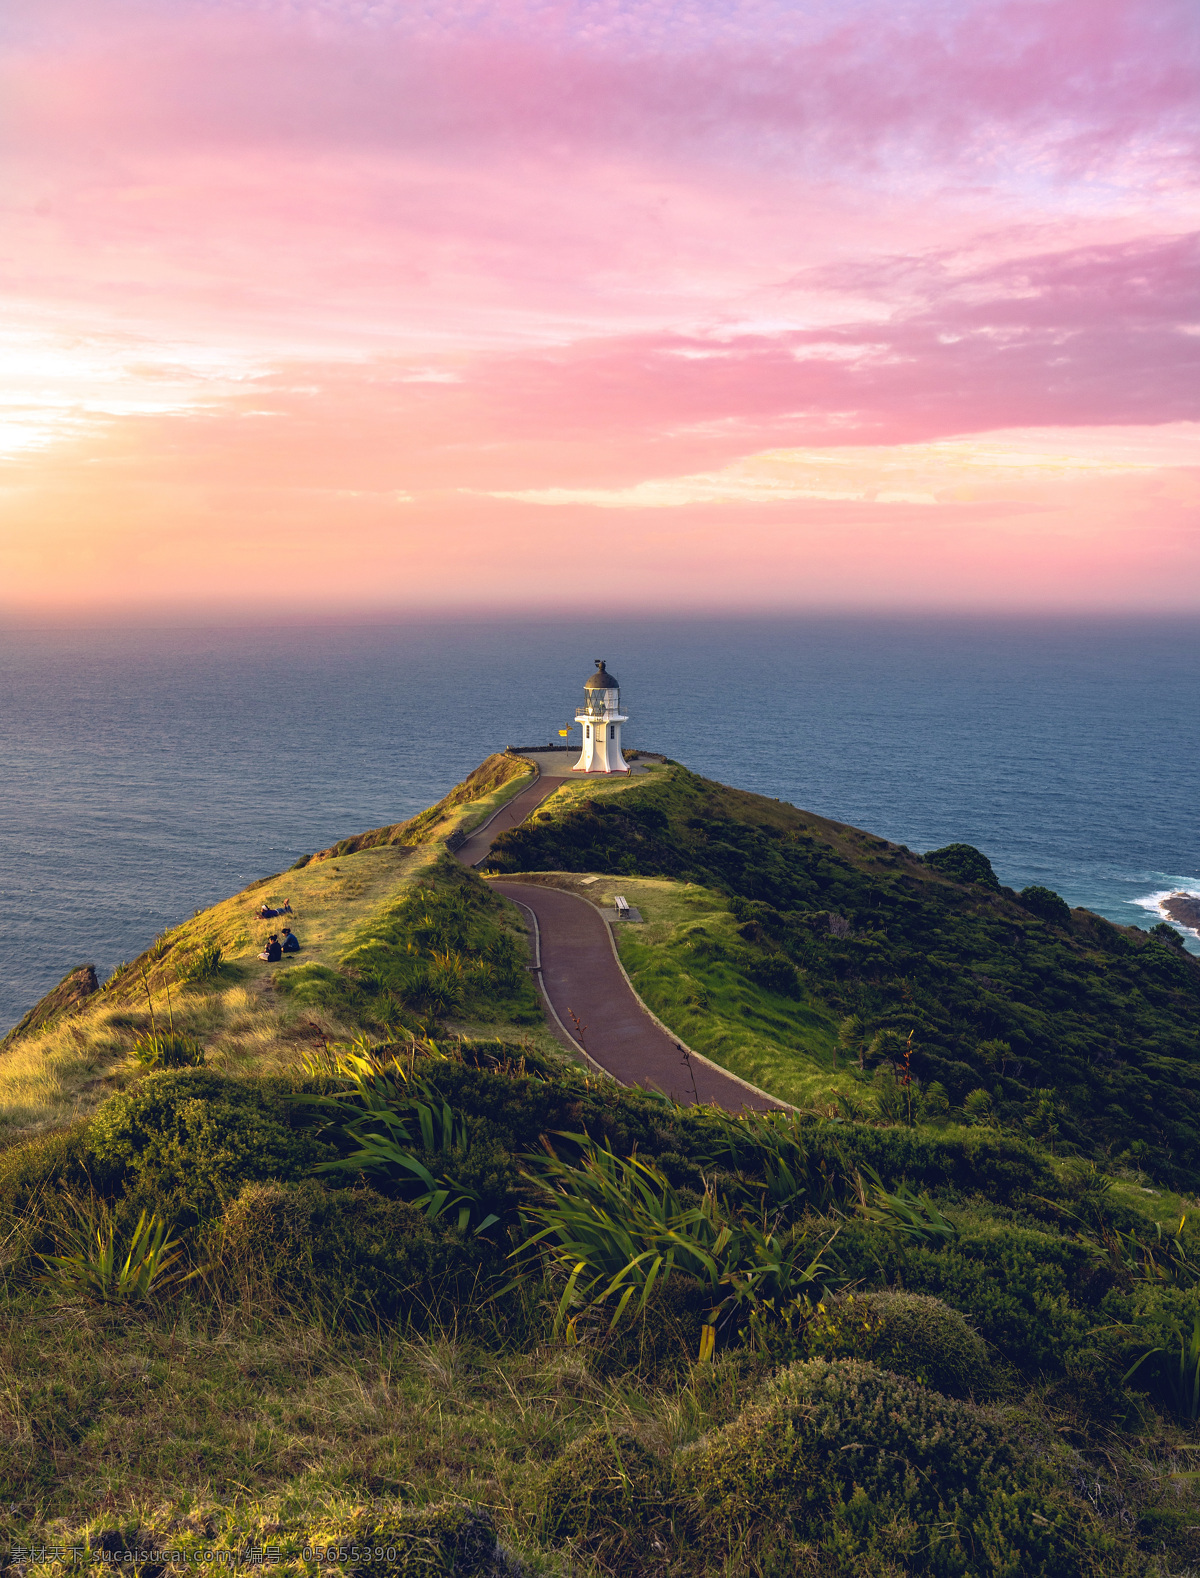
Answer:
(622, 905)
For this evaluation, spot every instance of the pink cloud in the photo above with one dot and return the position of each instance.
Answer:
(1081, 78)
(356, 267)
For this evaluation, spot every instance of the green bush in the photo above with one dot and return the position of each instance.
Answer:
(964, 863)
(202, 965)
(1047, 906)
(934, 1104)
(977, 1109)
(447, 947)
(63, 1162)
(663, 1339)
(164, 1049)
(881, 1475)
(445, 1541)
(776, 973)
(186, 1142)
(352, 1253)
(889, 1097)
(908, 1333)
(1163, 931)
(318, 986)
(1016, 1286)
(94, 1262)
(605, 1485)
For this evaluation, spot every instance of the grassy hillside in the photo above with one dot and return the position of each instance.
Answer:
(1081, 1032)
(386, 1285)
(76, 1047)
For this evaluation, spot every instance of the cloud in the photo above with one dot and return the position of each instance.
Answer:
(1009, 467)
(1062, 82)
(373, 277)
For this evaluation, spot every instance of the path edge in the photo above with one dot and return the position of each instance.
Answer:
(646, 1009)
(536, 970)
(487, 821)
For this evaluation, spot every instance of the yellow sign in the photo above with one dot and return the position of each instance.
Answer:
(563, 733)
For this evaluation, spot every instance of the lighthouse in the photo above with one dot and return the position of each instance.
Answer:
(601, 718)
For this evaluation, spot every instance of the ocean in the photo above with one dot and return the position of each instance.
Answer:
(146, 773)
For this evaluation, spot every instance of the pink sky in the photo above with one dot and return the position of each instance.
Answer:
(638, 305)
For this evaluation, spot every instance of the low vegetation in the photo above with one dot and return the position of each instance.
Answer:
(382, 1282)
(1085, 1034)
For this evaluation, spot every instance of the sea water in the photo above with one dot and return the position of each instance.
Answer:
(146, 773)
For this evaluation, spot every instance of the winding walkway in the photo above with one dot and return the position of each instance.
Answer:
(592, 1005)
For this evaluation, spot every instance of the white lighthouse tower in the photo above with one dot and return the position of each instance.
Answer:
(601, 718)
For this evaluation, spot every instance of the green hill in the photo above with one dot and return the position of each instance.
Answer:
(345, 1262)
(1076, 1030)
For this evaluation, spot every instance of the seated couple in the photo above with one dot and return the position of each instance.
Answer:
(275, 949)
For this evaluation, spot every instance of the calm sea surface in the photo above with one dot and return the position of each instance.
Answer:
(144, 774)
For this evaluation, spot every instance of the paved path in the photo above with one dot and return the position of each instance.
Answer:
(585, 985)
(511, 814)
(583, 981)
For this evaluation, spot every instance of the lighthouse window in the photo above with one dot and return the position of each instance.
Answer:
(612, 731)
(588, 731)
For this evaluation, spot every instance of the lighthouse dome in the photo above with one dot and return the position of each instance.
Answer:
(601, 679)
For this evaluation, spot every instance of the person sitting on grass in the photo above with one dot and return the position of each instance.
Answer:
(291, 943)
(272, 953)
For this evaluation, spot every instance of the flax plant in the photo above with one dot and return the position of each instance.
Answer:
(94, 1268)
(903, 1212)
(773, 1144)
(615, 1229)
(420, 1162)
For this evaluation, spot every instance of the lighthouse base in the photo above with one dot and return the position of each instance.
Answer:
(601, 745)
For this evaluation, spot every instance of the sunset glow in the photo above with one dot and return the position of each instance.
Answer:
(363, 306)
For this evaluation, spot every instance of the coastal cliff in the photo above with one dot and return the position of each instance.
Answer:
(1184, 909)
(346, 1255)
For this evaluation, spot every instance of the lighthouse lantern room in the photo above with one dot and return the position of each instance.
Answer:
(601, 718)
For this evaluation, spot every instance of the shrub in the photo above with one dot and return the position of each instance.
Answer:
(202, 965)
(317, 986)
(606, 1483)
(1015, 1285)
(611, 1229)
(445, 947)
(890, 1099)
(349, 1252)
(62, 1162)
(882, 1475)
(1047, 906)
(934, 1103)
(402, 1130)
(1165, 932)
(964, 863)
(775, 973)
(90, 1263)
(445, 1541)
(908, 1333)
(185, 1142)
(664, 1339)
(1003, 1167)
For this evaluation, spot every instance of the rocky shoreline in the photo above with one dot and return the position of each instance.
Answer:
(1183, 909)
